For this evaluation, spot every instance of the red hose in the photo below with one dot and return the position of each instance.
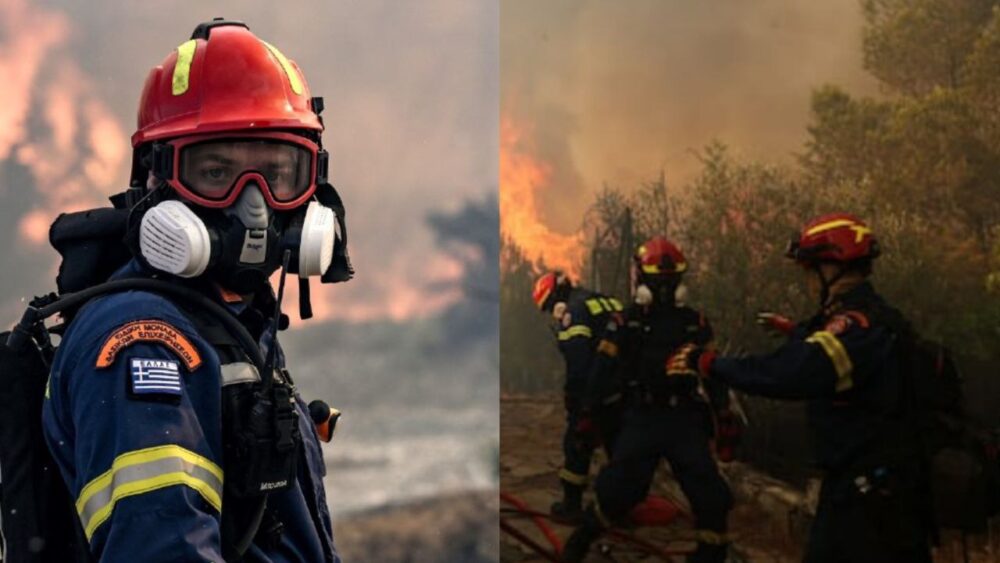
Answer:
(539, 518)
(536, 518)
(523, 538)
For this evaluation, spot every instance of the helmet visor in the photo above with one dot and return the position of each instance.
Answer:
(212, 169)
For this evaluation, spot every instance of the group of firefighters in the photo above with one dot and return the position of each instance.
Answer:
(645, 383)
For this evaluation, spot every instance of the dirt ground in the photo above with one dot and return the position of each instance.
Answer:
(530, 457)
(457, 528)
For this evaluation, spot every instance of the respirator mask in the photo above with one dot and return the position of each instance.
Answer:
(661, 289)
(241, 202)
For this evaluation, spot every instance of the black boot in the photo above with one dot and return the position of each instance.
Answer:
(579, 541)
(570, 508)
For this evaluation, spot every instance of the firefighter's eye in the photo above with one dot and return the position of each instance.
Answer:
(215, 173)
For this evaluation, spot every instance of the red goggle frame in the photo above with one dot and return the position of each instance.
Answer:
(167, 157)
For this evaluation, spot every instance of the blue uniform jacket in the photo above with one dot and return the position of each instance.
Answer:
(582, 327)
(134, 425)
(845, 363)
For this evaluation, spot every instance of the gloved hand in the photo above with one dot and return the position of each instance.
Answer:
(775, 324)
(728, 432)
(690, 359)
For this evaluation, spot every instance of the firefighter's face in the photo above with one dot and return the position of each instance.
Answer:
(814, 286)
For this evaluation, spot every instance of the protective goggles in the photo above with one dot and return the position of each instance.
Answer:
(211, 170)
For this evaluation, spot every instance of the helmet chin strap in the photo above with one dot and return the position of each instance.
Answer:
(827, 284)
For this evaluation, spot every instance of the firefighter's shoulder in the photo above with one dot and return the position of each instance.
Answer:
(108, 325)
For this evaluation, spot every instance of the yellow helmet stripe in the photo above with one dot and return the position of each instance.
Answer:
(830, 225)
(182, 68)
(293, 75)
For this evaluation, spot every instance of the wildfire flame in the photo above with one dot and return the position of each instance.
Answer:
(522, 177)
(74, 148)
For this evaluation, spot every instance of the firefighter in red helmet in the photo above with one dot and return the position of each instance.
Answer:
(847, 363)
(173, 444)
(591, 391)
(665, 418)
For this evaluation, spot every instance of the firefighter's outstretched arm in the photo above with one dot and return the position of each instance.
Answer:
(823, 364)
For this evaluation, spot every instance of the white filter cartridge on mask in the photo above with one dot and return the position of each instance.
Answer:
(643, 295)
(319, 232)
(175, 240)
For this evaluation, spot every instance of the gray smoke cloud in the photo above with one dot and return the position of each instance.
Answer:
(615, 91)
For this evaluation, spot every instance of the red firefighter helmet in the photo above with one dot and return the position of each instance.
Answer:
(223, 79)
(544, 286)
(658, 256)
(837, 237)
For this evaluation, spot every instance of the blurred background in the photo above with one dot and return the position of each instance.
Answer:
(407, 350)
(725, 125)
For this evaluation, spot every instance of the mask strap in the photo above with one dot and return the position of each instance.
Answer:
(305, 299)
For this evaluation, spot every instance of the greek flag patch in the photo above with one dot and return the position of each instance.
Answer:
(155, 377)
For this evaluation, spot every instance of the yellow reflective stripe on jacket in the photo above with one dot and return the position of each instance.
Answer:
(594, 305)
(145, 470)
(571, 477)
(598, 305)
(574, 331)
(838, 355)
(182, 68)
(293, 76)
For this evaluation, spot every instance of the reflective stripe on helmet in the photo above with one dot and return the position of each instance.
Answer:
(182, 70)
(859, 230)
(293, 75)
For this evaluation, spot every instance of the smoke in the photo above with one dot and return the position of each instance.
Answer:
(51, 121)
(616, 92)
(411, 111)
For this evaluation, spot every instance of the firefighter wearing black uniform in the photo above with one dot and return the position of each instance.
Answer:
(845, 362)
(592, 394)
(666, 418)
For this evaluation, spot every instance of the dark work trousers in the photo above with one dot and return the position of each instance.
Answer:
(884, 525)
(679, 434)
(579, 448)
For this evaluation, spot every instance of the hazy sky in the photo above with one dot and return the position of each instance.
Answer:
(411, 93)
(610, 91)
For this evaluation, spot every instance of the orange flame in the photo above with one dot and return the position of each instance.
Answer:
(75, 152)
(522, 177)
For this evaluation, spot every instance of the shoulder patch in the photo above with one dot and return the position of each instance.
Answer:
(149, 331)
(839, 323)
(155, 377)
